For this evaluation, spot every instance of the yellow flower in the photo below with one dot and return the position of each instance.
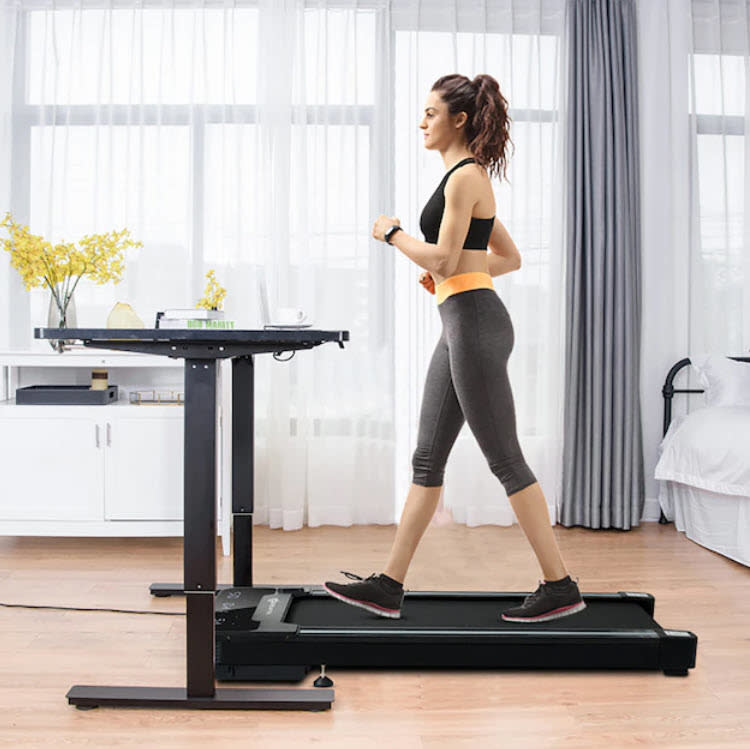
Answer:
(61, 266)
(213, 295)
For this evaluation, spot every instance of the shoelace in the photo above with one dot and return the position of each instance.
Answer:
(352, 576)
(535, 595)
(538, 592)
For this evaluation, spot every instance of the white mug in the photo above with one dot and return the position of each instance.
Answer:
(289, 316)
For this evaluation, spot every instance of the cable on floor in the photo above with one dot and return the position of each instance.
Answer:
(77, 608)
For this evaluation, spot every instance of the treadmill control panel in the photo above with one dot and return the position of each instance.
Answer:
(254, 609)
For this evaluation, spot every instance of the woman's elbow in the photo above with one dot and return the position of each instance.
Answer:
(447, 265)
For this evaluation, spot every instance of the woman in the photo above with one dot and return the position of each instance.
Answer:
(467, 122)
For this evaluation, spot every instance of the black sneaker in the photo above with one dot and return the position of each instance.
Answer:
(549, 601)
(375, 594)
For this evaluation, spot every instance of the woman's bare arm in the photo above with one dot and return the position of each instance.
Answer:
(502, 245)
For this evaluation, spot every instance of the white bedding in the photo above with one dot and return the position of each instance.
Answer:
(709, 449)
(705, 471)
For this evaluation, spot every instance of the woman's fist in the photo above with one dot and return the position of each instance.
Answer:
(427, 281)
(381, 226)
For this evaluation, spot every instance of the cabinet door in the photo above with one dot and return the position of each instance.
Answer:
(143, 468)
(51, 468)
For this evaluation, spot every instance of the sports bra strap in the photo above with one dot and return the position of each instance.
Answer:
(460, 163)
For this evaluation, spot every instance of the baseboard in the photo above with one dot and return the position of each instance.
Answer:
(651, 510)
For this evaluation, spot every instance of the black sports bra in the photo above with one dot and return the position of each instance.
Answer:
(480, 229)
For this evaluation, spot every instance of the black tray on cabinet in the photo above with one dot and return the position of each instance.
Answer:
(65, 395)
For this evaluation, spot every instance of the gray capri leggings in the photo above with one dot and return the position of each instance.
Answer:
(468, 380)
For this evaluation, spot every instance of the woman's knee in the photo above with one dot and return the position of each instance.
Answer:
(426, 470)
(514, 473)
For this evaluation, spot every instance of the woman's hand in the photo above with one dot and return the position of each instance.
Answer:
(382, 225)
(427, 281)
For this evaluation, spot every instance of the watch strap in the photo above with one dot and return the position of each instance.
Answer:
(389, 234)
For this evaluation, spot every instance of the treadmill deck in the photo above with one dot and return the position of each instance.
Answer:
(265, 631)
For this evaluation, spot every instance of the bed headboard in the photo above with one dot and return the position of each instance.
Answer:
(668, 390)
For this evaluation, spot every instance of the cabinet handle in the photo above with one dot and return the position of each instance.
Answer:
(96, 430)
(109, 435)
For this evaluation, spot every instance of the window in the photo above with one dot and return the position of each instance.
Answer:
(717, 102)
(112, 97)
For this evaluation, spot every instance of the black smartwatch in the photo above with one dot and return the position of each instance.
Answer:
(387, 236)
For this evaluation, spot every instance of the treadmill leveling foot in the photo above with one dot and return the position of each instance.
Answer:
(323, 680)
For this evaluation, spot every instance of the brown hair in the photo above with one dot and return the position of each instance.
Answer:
(487, 125)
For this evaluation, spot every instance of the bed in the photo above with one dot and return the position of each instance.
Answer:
(704, 458)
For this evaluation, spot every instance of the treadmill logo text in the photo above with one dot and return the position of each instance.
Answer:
(271, 605)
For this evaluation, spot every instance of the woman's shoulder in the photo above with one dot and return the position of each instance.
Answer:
(468, 176)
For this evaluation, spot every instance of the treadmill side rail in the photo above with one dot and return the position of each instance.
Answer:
(677, 653)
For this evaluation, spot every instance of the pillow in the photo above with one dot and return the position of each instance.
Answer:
(726, 382)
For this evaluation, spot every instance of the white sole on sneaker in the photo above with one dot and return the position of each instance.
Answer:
(556, 614)
(371, 607)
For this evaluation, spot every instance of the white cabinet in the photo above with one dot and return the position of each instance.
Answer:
(110, 470)
(91, 463)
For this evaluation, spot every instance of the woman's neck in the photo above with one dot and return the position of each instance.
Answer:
(453, 154)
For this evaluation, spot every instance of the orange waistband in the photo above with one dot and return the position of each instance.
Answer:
(463, 282)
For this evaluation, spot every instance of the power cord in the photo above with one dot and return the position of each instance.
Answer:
(77, 608)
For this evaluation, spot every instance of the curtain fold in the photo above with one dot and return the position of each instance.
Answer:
(603, 476)
(8, 20)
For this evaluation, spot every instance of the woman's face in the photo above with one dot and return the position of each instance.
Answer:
(438, 127)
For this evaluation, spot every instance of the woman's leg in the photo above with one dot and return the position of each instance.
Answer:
(440, 422)
(481, 338)
(531, 510)
(418, 511)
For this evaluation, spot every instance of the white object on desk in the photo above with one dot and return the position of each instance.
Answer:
(284, 317)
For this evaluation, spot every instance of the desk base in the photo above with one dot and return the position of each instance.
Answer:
(85, 697)
(164, 590)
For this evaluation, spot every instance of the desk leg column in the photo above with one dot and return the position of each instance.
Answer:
(243, 461)
(200, 524)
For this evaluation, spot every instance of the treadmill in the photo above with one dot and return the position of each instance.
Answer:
(280, 633)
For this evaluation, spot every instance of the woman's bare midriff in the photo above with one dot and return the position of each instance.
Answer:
(470, 261)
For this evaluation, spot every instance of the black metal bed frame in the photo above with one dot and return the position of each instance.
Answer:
(668, 390)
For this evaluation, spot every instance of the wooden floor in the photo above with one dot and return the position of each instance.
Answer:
(42, 653)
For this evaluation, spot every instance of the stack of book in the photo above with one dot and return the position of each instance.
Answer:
(196, 319)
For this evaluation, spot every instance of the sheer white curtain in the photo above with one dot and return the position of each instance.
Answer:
(520, 43)
(694, 62)
(245, 137)
(7, 46)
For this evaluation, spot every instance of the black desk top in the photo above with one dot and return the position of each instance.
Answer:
(193, 343)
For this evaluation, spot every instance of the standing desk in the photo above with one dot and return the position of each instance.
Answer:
(200, 350)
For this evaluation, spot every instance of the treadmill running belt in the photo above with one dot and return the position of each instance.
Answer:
(437, 613)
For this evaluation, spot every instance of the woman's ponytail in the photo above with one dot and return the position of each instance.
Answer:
(488, 123)
(490, 126)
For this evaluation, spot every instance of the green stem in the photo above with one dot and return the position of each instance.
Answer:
(54, 293)
(76, 283)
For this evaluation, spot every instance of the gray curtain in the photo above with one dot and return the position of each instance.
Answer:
(603, 484)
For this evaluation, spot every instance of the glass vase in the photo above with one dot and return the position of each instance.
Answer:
(61, 315)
